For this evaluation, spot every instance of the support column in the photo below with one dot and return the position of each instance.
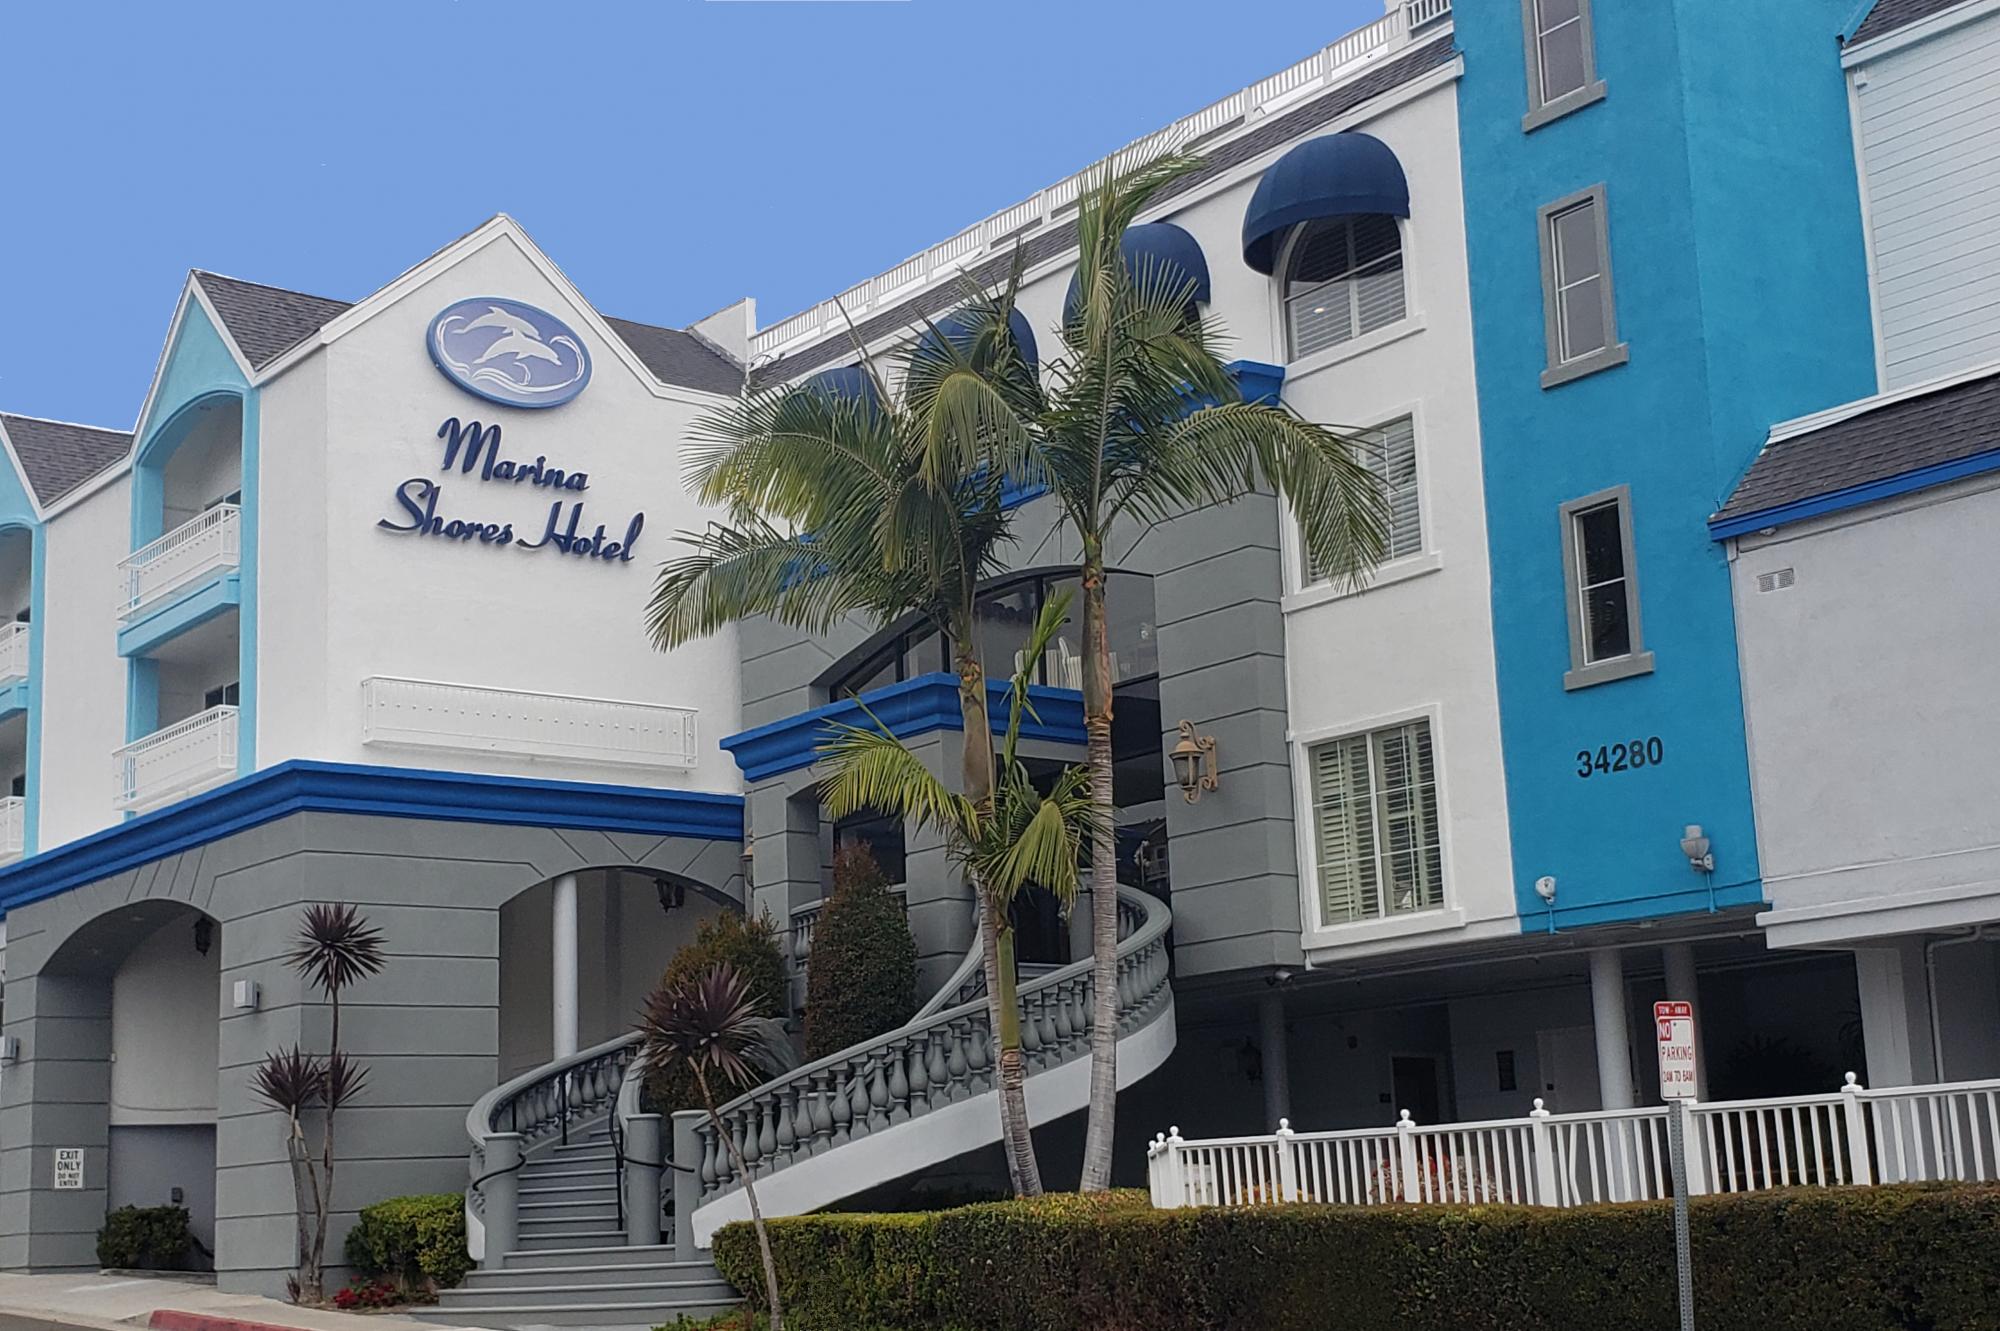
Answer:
(1678, 959)
(1895, 1013)
(1614, 1036)
(1277, 1059)
(563, 965)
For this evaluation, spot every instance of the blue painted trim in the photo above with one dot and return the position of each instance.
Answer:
(31, 838)
(196, 604)
(1258, 381)
(913, 707)
(1855, 496)
(1853, 25)
(301, 786)
(250, 465)
(1694, 899)
(16, 696)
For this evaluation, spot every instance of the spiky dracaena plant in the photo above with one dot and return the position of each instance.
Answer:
(712, 1025)
(1138, 419)
(336, 948)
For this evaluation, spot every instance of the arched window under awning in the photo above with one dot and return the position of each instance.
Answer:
(843, 383)
(1350, 174)
(960, 327)
(1157, 252)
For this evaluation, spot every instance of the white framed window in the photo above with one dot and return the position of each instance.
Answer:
(1390, 451)
(1601, 580)
(1343, 278)
(226, 695)
(1562, 59)
(1580, 320)
(1377, 840)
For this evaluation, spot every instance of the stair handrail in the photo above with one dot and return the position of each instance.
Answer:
(965, 984)
(536, 1106)
(935, 1059)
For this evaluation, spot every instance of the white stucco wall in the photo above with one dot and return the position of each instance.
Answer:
(165, 1032)
(82, 689)
(1873, 757)
(350, 423)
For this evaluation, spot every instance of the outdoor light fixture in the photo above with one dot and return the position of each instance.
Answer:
(1694, 845)
(246, 996)
(1194, 763)
(10, 1048)
(671, 893)
(204, 935)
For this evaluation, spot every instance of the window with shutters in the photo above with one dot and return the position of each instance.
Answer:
(1377, 845)
(1390, 451)
(1343, 278)
(1602, 590)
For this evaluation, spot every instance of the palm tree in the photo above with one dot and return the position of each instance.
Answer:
(711, 1024)
(1021, 839)
(1140, 420)
(860, 503)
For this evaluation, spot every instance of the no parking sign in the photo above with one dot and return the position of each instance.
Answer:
(1675, 1023)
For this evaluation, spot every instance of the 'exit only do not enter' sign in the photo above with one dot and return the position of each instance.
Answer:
(1674, 1021)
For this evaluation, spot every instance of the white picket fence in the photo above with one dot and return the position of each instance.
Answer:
(1850, 1136)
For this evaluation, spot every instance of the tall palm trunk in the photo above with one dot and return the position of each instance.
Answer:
(750, 1194)
(996, 939)
(1103, 880)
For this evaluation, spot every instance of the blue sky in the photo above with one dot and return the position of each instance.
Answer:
(672, 156)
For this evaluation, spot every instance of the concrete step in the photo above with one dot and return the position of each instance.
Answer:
(581, 1189)
(537, 1213)
(640, 1315)
(564, 1223)
(569, 1293)
(592, 1274)
(546, 1240)
(614, 1252)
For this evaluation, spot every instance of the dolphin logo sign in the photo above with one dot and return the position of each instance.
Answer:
(508, 352)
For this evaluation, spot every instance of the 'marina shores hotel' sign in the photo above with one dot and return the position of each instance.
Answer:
(518, 356)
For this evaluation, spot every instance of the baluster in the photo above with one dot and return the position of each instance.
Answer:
(919, 1073)
(842, 1108)
(958, 1063)
(711, 1176)
(1065, 1022)
(1031, 1033)
(899, 1083)
(858, 1103)
(939, 1064)
(980, 1051)
(767, 1130)
(800, 1122)
(822, 1111)
(746, 1144)
(878, 1092)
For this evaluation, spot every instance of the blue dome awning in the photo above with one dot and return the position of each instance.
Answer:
(1156, 249)
(962, 326)
(1339, 175)
(843, 383)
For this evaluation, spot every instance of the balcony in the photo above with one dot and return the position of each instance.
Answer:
(14, 668)
(170, 764)
(187, 576)
(13, 828)
(416, 713)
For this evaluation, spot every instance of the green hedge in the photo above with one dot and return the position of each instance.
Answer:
(146, 1238)
(1869, 1259)
(863, 977)
(416, 1242)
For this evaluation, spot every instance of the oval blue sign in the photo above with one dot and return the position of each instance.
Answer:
(508, 352)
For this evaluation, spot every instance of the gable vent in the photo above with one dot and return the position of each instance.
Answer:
(1776, 580)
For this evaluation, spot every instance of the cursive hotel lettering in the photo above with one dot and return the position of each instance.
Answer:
(594, 546)
(476, 448)
(419, 497)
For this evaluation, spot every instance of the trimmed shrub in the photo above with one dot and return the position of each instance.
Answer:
(416, 1243)
(1853, 1259)
(751, 946)
(863, 977)
(146, 1238)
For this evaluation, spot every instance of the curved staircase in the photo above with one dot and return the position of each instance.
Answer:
(564, 1211)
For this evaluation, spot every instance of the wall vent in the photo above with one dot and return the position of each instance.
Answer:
(1776, 580)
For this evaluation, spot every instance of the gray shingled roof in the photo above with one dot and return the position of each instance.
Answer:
(1051, 242)
(59, 456)
(266, 321)
(678, 357)
(1889, 15)
(1932, 428)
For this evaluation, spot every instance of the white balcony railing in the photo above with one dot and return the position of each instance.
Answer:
(13, 828)
(424, 714)
(1898, 1134)
(14, 640)
(185, 555)
(1334, 64)
(186, 757)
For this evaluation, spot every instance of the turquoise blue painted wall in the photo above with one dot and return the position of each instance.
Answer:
(17, 512)
(199, 370)
(1741, 289)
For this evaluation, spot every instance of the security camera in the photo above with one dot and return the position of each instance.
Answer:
(1545, 888)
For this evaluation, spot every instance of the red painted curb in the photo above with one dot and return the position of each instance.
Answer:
(172, 1319)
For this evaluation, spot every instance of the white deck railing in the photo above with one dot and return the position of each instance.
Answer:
(13, 828)
(184, 758)
(190, 552)
(1322, 69)
(1851, 1136)
(425, 714)
(14, 639)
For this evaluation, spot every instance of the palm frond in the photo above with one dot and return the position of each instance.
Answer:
(711, 1022)
(872, 770)
(336, 946)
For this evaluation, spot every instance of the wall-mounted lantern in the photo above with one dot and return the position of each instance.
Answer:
(1694, 845)
(1194, 763)
(672, 893)
(204, 935)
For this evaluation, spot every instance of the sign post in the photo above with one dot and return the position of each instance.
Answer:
(1674, 1022)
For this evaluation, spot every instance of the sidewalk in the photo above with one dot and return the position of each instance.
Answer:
(120, 1303)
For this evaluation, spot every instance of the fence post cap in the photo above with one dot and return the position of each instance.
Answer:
(1403, 1120)
(1853, 1083)
(1539, 1111)
(1174, 1135)
(1284, 1127)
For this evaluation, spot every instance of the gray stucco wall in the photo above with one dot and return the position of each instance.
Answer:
(428, 1026)
(1217, 582)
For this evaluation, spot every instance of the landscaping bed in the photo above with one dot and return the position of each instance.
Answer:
(1853, 1259)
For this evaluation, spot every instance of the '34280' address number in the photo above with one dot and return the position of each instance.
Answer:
(1628, 756)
